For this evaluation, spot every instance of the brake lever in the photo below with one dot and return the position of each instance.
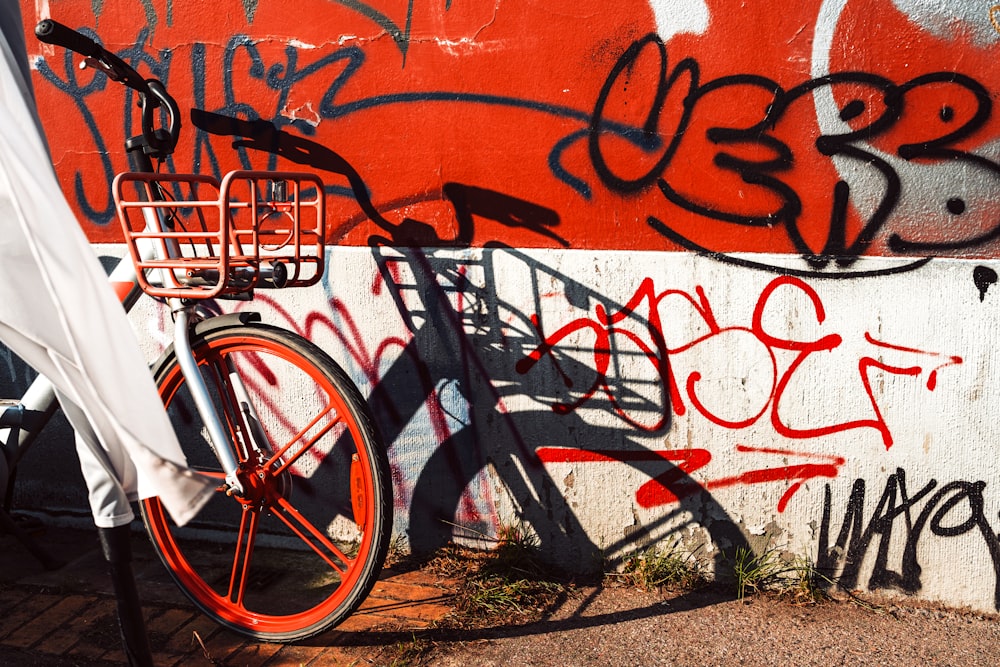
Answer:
(118, 75)
(101, 66)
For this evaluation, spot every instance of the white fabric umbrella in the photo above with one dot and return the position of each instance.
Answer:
(59, 314)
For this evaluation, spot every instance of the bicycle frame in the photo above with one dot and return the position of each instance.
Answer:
(158, 243)
(24, 420)
(21, 423)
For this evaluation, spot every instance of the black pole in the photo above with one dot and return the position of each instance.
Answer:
(117, 548)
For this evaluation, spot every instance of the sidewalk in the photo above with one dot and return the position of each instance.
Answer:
(67, 617)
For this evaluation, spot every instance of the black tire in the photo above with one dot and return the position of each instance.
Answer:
(313, 524)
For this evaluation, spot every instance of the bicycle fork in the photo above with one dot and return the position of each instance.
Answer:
(248, 434)
(217, 436)
(185, 317)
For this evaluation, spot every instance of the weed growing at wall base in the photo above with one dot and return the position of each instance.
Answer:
(796, 579)
(662, 569)
(504, 584)
(507, 584)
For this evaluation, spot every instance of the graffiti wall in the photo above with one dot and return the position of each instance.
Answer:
(694, 271)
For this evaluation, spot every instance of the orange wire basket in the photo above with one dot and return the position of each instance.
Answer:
(194, 237)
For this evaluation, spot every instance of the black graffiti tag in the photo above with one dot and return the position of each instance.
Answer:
(955, 509)
(751, 150)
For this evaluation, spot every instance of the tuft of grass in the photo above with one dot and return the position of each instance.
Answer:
(492, 598)
(796, 579)
(405, 653)
(398, 552)
(756, 573)
(663, 569)
(507, 584)
(804, 583)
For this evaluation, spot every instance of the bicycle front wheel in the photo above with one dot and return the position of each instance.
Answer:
(302, 546)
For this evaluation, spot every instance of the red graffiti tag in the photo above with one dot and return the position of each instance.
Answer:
(604, 326)
(677, 484)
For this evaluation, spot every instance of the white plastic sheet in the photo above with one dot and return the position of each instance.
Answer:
(59, 314)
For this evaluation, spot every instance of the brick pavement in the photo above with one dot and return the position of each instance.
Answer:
(67, 617)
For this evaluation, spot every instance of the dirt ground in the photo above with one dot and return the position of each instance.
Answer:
(414, 616)
(624, 626)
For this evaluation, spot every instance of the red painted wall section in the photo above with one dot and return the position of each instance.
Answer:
(828, 130)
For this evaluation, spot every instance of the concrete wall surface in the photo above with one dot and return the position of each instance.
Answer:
(703, 272)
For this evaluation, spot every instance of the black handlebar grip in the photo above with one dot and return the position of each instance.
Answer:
(53, 32)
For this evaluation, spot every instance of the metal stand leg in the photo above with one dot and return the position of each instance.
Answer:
(118, 553)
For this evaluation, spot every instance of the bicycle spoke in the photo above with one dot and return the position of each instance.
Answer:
(209, 472)
(242, 556)
(214, 474)
(300, 436)
(315, 539)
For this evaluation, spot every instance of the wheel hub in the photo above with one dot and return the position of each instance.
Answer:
(261, 488)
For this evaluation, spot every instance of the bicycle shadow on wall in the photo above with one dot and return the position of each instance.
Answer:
(482, 354)
(460, 363)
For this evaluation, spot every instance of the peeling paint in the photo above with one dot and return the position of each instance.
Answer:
(305, 113)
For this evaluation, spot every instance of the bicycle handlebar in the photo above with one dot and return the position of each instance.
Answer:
(57, 34)
(157, 142)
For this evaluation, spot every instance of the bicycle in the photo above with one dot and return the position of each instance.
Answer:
(309, 490)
